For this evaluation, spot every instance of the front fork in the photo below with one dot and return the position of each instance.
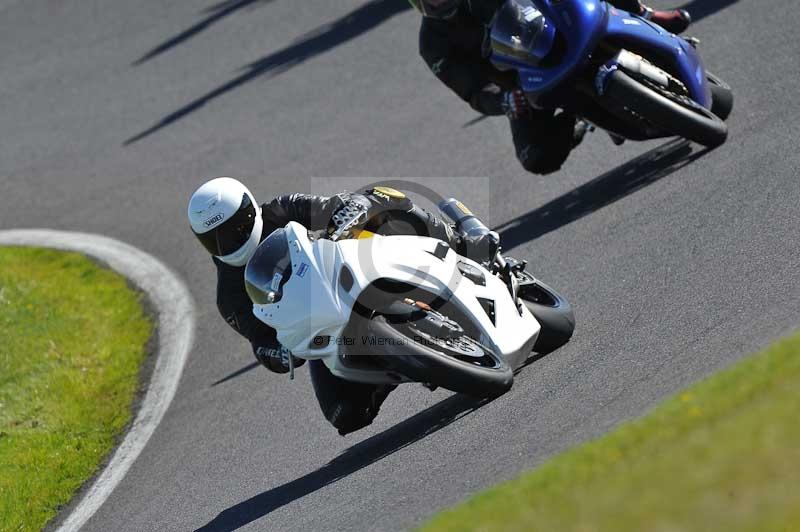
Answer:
(467, 223)
(485, 242)
(638, 68)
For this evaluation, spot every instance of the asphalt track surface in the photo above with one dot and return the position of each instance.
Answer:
(678, 261)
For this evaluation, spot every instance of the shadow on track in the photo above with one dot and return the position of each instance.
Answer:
(236, 373)
(700, 9)
(215, 13)
(314, 43)
(476, 120)
(351, 460)
(241, 371)
(599, 192)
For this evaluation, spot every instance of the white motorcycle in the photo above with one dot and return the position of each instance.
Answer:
(395, 309)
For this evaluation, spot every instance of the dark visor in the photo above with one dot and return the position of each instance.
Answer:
(232, 233)
(269, 269)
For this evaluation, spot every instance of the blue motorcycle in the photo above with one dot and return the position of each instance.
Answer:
(616, 70)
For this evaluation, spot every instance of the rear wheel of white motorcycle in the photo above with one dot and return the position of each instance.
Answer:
(673, 113)
(551, 310)
(461, 365)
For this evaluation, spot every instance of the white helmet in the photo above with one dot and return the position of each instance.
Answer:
(226, 218)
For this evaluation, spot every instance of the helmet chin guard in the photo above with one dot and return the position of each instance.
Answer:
(244, 253)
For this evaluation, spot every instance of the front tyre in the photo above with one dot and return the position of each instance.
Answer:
(458, 364)
(551, 310)
(670, 112)
(721, 95)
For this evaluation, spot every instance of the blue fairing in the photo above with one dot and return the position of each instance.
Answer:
(583, 23)
(622, 26)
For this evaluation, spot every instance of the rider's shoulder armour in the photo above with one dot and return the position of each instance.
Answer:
(388, 197)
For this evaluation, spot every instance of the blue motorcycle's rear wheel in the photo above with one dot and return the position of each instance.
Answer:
(672, 113)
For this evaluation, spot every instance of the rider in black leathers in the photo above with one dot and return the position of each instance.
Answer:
(452, 41)
(347, 405)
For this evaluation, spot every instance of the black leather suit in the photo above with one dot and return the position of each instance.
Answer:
(456, 51)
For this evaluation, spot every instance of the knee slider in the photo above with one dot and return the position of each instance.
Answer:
(539, 161)
(345, 418)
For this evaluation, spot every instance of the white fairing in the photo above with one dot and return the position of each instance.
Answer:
(314, 304)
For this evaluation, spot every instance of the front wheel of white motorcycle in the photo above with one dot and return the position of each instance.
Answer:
(551, 310)
(721, 96)
(458, 364)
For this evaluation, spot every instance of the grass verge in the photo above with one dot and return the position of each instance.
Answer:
(722, 455)
(72, 338)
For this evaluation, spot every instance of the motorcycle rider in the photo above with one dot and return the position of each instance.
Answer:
(452, 41)
(226, 218)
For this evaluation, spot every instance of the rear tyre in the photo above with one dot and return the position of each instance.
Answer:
(722, 96)
(672, 113)
(551, 310)
(464, 366)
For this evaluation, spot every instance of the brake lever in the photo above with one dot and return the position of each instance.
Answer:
(502, 266)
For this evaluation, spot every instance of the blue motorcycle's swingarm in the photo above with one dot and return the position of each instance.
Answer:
(584, 23)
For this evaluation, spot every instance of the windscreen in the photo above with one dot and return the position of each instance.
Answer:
(516, 29)
(269, 269)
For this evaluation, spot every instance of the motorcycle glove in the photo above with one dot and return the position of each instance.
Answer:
(351, 212)
(515, 105)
